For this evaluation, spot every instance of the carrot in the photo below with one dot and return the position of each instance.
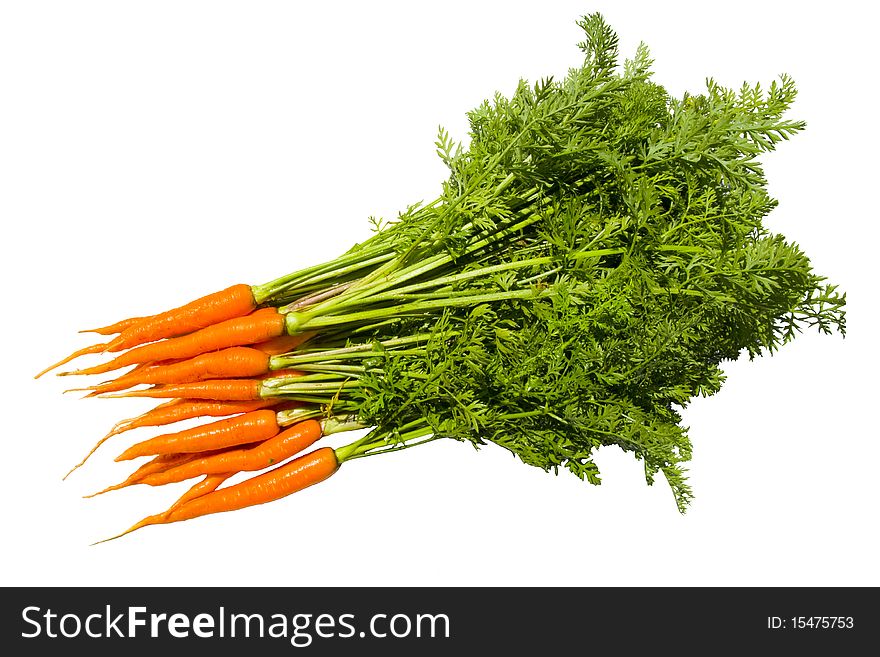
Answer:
(230, 303)
(234, 301)
(159, 464)
(248, 428)
(234, 362)
(133, 373)
(154, 465)
(214, 389)
(118, 327)
(93, 349)
(287, 443)
(210, 483)
(186, 409)
(177, 411)
(288, 478)
(258, 327)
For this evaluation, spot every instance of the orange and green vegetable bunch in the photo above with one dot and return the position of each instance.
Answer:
(597, 252)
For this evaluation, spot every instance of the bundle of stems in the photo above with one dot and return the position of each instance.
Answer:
(597, 252)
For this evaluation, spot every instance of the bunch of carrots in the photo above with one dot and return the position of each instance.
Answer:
(192, 355)
(597, 251)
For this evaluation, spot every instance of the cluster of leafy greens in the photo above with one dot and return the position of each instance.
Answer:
(597, 252)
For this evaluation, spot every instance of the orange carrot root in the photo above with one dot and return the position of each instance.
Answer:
(118, 327)
(289, 442)
(93, 349)
(239, 430)
(177, 411)
(291, 477)
(216, 390)
(209, 484)
(92, 451)
(254, 328)
(154, 465)
(231, 363)
(150, 520)
(234, 301)
(187, 409)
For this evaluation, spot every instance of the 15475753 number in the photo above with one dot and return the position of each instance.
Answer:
(810, 622)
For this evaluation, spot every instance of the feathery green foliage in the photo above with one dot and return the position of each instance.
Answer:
(597, 252)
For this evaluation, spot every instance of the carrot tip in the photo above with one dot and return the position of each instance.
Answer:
(111, 433)
(90, 390)
(126, 393)
(101, 492)
(150, 520)
(93, 349)
(101, 331)
(70, 472)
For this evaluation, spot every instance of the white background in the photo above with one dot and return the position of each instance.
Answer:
(153, 152)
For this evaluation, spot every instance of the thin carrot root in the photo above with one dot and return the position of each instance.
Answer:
(207, 485)
(89, 389)
(258, 327)
(94, 449)
(234, 301)
(164, 407)
(155, 465)
(177, 411)
(118, 327)
(93, 349)
(122, 484)
(239, 430)
(187, 409)
(284, 480)
(288, 478)
(216, 390)
(272, 451)
(150, 520)
(231, 363)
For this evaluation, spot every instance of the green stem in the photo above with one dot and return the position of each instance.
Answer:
(297, 322)
(285, 361)
(382, 280)
(294, 415)
(290, 387)
(339, 423)
(366, 445)
(282, 285)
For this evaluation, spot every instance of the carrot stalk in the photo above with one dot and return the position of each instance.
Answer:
(288, 478)
(287, 443)
(230, 333)
(239, 430)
